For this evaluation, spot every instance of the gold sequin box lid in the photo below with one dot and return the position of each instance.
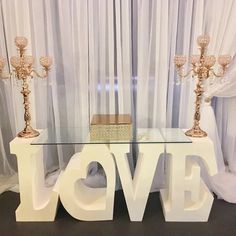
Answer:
(111, 127)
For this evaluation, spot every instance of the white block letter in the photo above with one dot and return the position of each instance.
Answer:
(137, 190)
(37, 202)
(81, 201)
(187, 197)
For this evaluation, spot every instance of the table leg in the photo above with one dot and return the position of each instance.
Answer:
(137, 189)
(187, 198)
(37, 202)
(83, 202)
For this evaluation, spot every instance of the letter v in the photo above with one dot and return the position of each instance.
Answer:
(137, 190)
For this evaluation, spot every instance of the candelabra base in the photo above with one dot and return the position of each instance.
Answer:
(196, 132)
(28, 132)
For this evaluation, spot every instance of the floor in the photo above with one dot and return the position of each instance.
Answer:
(222, 221)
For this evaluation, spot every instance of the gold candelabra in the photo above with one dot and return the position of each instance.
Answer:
(23, 70)
(202, 69)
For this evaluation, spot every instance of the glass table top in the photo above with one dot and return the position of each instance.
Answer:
(66, 135)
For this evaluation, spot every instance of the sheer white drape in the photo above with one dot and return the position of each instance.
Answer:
(90, 43)
(225, 182)
(152, 52)
(153, 57)
(215, 19)
(220, 25)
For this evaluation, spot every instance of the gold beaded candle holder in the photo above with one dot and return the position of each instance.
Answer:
(22, 70)
(202, 69)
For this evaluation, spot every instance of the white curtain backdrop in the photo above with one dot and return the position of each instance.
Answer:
(101, 50)
(220, 26)
(90, 43)
(214, 18)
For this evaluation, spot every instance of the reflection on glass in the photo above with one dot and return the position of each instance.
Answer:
(80, 135)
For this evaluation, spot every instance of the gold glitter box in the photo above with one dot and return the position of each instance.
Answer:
(111, 127)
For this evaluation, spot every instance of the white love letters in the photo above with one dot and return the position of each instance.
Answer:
(186, 197)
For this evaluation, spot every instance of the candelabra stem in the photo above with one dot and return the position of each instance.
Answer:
(196, 131)
(28, 131)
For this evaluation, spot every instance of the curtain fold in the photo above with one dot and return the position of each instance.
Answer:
(153, 62)
(219, 24)
(90, 43)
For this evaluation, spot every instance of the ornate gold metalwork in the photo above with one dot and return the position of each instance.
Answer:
(202, 69)
(23, 70)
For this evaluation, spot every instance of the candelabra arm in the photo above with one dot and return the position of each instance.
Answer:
(181, 75)
(218, 75)
(44, 74)
(5, 75)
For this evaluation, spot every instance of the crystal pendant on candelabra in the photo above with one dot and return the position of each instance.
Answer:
(177, 82)
(2, 64)
(212, 79)
(179, 61)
